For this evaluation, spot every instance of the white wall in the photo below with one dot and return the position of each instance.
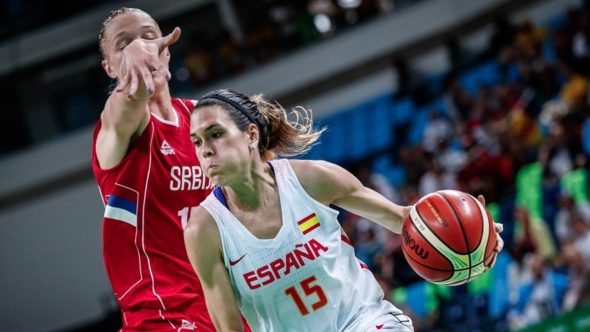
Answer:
(52, 274)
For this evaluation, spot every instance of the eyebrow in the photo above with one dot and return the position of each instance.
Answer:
(206, 129)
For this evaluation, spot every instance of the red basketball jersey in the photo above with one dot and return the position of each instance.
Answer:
(148, 197)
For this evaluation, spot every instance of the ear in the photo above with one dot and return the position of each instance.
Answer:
(253, 133)
(108, 69)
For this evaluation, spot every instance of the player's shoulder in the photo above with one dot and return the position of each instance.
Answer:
(185, 106)
(312, 172)
(311, 167)
(200, 221)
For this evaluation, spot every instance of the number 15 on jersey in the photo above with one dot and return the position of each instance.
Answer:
(309, 288)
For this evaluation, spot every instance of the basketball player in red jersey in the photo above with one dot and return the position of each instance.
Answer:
(149, 179)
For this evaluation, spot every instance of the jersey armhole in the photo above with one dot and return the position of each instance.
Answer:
(290, 175)
(209, 204)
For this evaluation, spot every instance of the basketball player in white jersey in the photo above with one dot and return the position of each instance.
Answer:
(266, 242)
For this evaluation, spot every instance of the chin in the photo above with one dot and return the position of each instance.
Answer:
(216, 179)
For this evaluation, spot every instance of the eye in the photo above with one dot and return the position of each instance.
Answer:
(198, 142)
(122, 44)
(149, 35)
(217, 134)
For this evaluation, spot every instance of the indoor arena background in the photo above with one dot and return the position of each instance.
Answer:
(487, 96)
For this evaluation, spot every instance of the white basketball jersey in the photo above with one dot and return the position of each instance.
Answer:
(305, 279)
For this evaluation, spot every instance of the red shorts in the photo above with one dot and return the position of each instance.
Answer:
(154, 320)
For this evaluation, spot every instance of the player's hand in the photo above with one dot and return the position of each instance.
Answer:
(499, 228)
(141, 62)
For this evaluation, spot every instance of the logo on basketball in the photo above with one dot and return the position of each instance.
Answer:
(410, 243)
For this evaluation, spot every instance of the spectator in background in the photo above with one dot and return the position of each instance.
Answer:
(458, 100)
(232, 55)
(539, 298)
(199, 61)
(581, 238)
(577, 293)
(435, 178)
(502, 36)
(524, 240)
(529, 39)
(438, 129)
(568, 211)
(574, 91)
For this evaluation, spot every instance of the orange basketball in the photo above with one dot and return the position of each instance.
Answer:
(448, 237)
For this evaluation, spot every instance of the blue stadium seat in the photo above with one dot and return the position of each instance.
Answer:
(395, 174)
(486, 73)
(419, 123)
(403, 110)
(381, 120)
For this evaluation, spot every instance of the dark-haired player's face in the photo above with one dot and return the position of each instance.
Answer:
(222, 148)
(124, 29)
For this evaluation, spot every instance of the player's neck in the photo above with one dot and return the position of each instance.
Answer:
(252, 193)
(161, 105)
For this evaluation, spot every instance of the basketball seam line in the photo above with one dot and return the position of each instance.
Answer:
(436, 235)
(443, 270)
(433, 247)
(462, 231)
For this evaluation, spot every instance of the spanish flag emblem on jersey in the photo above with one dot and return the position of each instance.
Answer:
(308, 223)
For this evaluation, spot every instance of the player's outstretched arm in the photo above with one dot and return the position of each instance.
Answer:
(331, 184)
(203, 245)
(125, 113)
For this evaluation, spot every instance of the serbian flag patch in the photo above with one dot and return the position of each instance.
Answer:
(122, 206)
(308, 223)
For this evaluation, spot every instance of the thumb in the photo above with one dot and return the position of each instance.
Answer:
(169, 39)
(481, 199)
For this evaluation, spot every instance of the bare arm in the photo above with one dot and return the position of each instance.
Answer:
(203, 244)
(125, 114)
(331, 184)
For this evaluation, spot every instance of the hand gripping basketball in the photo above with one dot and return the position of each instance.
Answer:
(449, 237)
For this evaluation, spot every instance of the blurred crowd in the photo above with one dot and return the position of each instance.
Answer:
(523, 142)
(272, 28)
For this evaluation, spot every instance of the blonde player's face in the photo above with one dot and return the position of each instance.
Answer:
(124, 29)
(222, 148)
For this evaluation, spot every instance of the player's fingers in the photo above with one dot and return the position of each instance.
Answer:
(498, 227)
(134, 85)
(481, 199)
(123, 83)
(492, 262)
(499, 244)
(148, 80)
(169, 39)
(163, 70)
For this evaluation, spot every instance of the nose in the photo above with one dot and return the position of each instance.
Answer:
(206, 150)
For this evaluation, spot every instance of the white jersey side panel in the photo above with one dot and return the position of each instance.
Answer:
(305, 279)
